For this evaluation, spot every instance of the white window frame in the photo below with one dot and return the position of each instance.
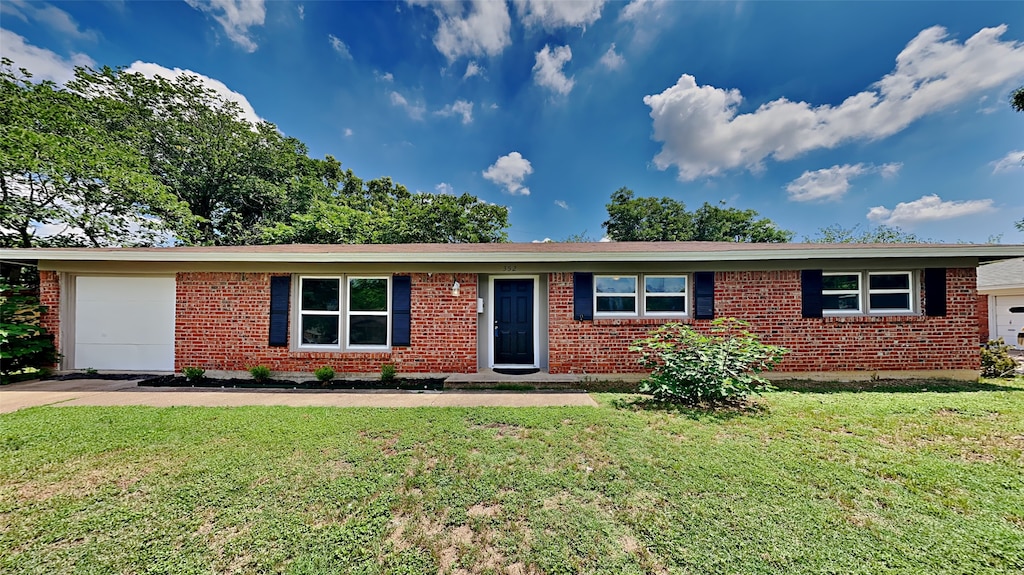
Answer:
(864, 293)
(635, 295)
(685, 295)
(349, 313)
(910, 291)
(301, 312)
(343, 314)
(859, 292)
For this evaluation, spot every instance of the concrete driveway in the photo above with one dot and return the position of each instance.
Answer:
(127, 392)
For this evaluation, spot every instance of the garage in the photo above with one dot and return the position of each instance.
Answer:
(124, 323)
(1009, 319)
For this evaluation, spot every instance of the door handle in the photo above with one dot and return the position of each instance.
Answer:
(495, 329)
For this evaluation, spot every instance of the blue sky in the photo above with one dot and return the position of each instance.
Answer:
(810, 113)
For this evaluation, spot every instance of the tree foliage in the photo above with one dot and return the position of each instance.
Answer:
(1017, 99)
(23, 343)
(837, 234)
(664, 219)
(63, 173)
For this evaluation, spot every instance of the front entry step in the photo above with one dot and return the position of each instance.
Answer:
(494, 379)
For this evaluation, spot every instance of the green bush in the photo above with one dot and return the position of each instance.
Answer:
(388, 372)
(996, 360)
(324, 374)
(692, 367)
(193, 373)
(260, 373)
(24, 345)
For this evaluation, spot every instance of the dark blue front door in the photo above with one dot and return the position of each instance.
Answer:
(513, 322)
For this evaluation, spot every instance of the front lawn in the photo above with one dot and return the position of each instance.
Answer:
(904, 481)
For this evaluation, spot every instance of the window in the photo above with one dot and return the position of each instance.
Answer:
(665, 295)
(364, 316)
(884, 292)
(615, 295)
(368, 312)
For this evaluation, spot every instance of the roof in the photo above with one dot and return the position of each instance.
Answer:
(522, 252)
(1001, 275)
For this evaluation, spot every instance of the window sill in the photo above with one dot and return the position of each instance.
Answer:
(906, 317)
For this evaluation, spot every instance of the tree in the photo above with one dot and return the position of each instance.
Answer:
(665, 219)
(837, 234)
(64, 180)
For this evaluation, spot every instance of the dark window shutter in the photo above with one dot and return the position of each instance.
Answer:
(583, 296)
(810, 288)
(401, 311)
(280, 295)
(704, 295)
(935, 292)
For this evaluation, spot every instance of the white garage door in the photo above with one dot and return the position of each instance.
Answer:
(124, 323)
(1010, 318)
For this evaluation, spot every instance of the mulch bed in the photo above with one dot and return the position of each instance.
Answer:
(405, 384)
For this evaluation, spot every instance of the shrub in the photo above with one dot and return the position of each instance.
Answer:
(24, 345)
(996, 360)
(260, 373)
(324, 374)
(692, 367)
(387, 372)
(193, 373)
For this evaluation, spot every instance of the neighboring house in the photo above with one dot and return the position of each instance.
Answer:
(1001, 301)
(844, 311)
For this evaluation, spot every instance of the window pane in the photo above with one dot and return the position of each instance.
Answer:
(655, 284)
(368, 330)
(320, 294)
(664, 304)
(610, 284)
(890, 281)
(616, 304)
(840, 302)
(320, 329)
(843, 282)
(368, 294)
(894, 301)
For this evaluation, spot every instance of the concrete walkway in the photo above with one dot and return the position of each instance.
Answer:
(127, 392)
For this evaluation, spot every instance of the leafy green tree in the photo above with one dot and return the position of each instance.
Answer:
(837, 234)
(24, 345)
(63, 173)
(1017, 99)
(664, 219)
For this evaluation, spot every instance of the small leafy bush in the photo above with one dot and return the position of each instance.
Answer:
(718, 367)
(324, 373)
(24, 345)
(260, 373)
(193, 373)
(388, 372)
(996, 360)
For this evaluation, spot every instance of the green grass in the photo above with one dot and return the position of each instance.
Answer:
(905, 481)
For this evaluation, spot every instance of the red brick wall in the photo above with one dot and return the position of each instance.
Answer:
(770, 302)
(223, 321)
(983, 334)
(49, 296)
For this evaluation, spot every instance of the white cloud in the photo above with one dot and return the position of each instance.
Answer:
(703, 134)
(543, 241)
(459, 108)
(833, 183)
(445, 188)
(1011, 161)
(510, 171)
(547, 72)
(612, 60)
(385, 77)
(57, 19)
(415, 111)
(641, 8)
(236, 17)
(42, 63)
(552, 14)
(473, 69)
(302, 11)
(340, 47)
(479, 29)
(927, 209)
(562, 204)
(348, 132)
(150, 70)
